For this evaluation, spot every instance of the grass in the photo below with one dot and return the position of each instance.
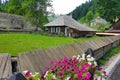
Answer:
(108, 55)
(15, 43)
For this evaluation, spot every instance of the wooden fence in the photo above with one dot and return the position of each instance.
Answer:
(38, 60)
(5, 66)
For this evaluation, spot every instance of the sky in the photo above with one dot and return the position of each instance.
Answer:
(66, 6)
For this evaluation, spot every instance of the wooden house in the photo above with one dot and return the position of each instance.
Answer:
(115, 28)
(68, 26)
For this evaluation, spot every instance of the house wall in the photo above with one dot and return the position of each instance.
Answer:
(62, 29)
(72, 32)
(76, 33)
(116, 26)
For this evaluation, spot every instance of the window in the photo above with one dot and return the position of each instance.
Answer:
(52, 29)
(57, 29)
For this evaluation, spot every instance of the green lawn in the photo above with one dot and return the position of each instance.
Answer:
(15, 43)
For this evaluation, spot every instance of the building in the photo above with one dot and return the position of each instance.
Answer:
(98, 21)
(115, 28)
(70, 27)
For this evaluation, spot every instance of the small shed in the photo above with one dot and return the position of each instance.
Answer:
(70, 27)
(115, 28)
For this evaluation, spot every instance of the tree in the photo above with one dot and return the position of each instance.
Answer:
(109, 9)
(89, 17)
(35, 11)
(14, 7)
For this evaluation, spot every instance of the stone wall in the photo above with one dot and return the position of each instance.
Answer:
(14, 22)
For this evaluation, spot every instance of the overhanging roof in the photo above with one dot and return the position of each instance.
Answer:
(69, 22)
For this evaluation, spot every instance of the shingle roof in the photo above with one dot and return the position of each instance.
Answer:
(69, 22)
(115, 27)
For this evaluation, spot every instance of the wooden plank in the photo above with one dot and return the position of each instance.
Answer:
(107, 48)
(60, 51)
(93, 44)
(38, 60)
(28, 64)
(2, 67)
(25, 63)
(69, 50)
(8, 68)
(78, 49)
(83, 47)
(32, 59)
(21, 62)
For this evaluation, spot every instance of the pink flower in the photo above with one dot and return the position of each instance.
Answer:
(27, 74)
(87, 64)
(104, 72)
(94, 69)
(100, 68)
(53, 63)
(79, 74)
(88, 76)
(83, 67)
(60, 74)
(31, 79)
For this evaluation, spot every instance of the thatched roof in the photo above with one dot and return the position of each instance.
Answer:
(69, 22)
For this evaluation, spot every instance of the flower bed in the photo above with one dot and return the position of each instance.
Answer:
(76, 68)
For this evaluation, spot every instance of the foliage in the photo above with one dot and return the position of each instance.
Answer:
(15, 43)
(61, 34)
(75, 68)
(89, 16)
(30, 76)
(34, 11)
(109, 9)
(82, 10)
(14, 7)
(101, 26)
(108, 55)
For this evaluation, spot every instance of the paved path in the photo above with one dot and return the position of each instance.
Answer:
(116, 74)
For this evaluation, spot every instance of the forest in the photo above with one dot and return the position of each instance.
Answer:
(106, 9)
(36, 11)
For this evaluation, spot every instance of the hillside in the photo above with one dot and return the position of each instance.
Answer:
(83, 9)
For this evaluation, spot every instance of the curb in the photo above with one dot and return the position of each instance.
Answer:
(111, 68)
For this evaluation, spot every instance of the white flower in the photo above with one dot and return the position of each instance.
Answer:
(83, 57)
(67, 78)
(54, 77)
(78, 57)
(95, 63)
(36, 73)
(46, 74)
(91, 59)
(74, 56)
(89, 63)
(25, 71)
(88, 56)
